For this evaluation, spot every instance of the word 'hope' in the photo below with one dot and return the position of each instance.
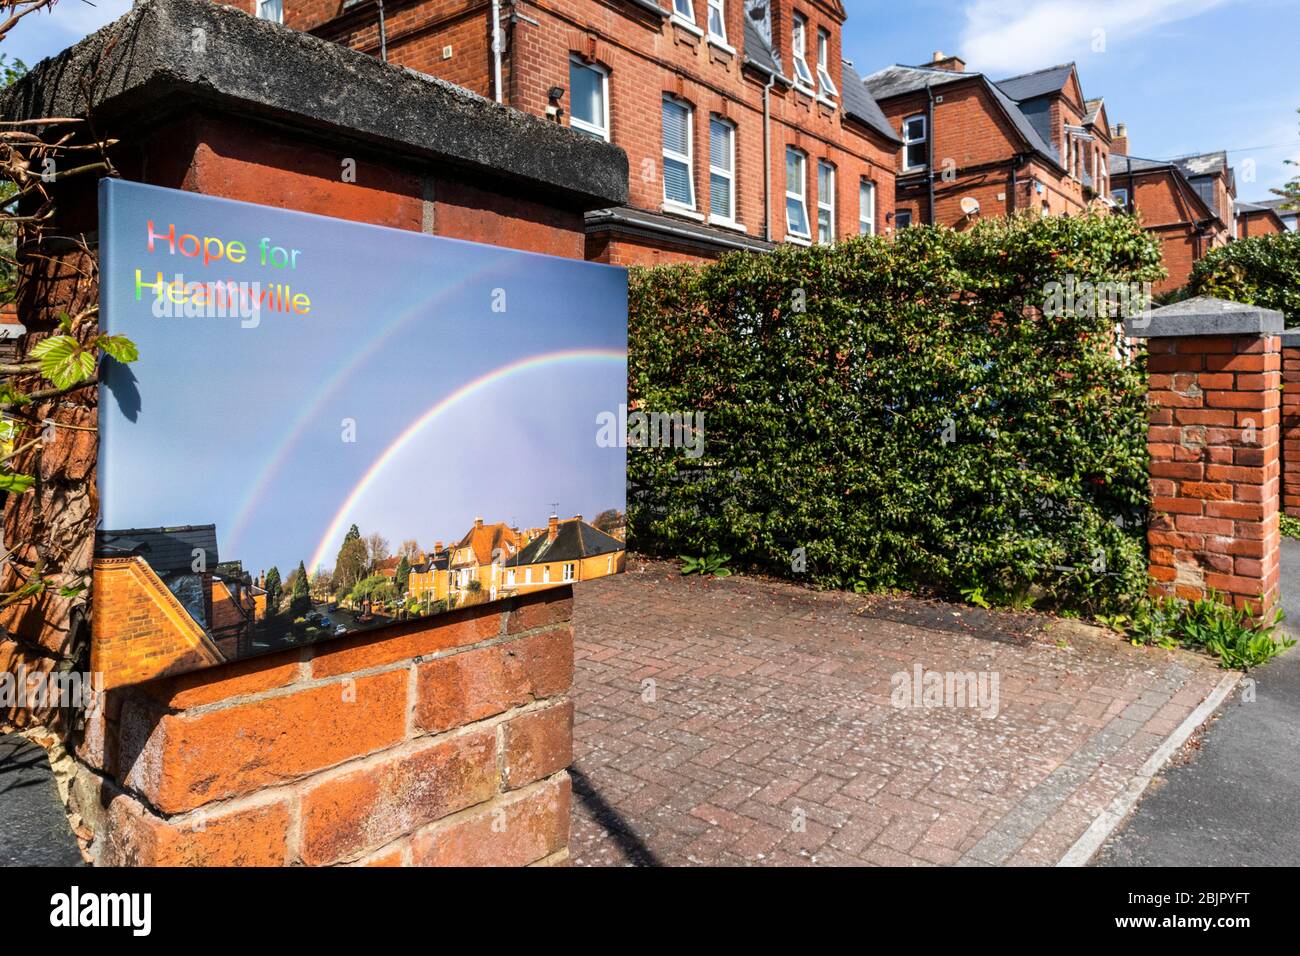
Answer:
(213, 249)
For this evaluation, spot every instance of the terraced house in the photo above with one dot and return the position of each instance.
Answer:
(975, 147)
(743, 124)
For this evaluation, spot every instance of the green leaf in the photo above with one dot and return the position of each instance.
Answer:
(16, 483)
(63, 361)
(119, 347)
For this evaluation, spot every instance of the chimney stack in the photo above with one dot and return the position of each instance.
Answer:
(552, 527)
(1119, 139)
(437, 547)
(941, 61)
(478, 522)
(577, 517)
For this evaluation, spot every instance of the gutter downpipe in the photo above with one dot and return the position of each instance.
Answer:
(929, 92)
(496, 51)
(767, 157)
(383, 33)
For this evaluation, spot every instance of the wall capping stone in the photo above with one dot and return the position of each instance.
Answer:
(168, 56)
(1291, 339)
(1204, 315)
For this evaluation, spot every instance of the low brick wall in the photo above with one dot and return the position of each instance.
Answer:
(1291, 423)
(442, 742)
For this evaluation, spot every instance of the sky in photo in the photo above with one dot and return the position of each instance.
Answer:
(1187, 76)
(470, 378)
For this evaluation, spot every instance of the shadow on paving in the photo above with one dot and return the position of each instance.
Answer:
(1232, 803)
(33, 827)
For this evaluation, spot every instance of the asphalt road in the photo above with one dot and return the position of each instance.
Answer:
(1233, 804)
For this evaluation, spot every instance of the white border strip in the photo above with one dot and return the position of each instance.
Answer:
(1106, 824)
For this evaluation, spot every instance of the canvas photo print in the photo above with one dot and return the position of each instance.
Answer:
(333, 426)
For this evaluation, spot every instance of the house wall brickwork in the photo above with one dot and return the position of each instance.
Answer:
(647, 57)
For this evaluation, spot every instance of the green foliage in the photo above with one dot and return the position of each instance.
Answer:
(1291, 527)
(1261, 270)
(1208, 623)
(714, 564)
(403, 574)
(829, 378)
(300, 593)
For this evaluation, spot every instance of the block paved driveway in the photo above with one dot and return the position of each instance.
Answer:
(746, 722)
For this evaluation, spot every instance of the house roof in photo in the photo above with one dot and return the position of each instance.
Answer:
(574, 540)
(166, 550)
(1206, 164)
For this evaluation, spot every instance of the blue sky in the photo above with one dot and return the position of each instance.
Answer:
(1187, 76)
(245, 427)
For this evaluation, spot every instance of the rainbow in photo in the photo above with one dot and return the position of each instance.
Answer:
(333, 426)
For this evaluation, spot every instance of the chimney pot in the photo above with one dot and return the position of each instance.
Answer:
(478, 522)
(552, 527)
(942, 61)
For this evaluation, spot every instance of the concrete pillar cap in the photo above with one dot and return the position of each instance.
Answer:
(1204, 315)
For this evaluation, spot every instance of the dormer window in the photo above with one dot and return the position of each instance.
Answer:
(828, 87)
(799, 41)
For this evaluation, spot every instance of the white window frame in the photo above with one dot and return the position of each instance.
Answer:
(910, 142)
(528, 575)
(570, 572)
(1123, 204)
(263, 4)
(546, 574)
(728, 174)
(828, 88)
(801, 196)
(688, 158)
(609, 565)
(684, 15)
(803, 75)
(720, 8)
(581, 124)
(826, 204)
(898, 219)
(866, 216)
(510, 577)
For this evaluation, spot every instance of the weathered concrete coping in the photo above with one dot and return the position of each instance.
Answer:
(1204, 315)
(1291, 339)
(167, 56)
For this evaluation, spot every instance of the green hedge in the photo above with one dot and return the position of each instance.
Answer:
(824, 454)
(1262, 270)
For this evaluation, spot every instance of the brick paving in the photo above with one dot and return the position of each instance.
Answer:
(747, 722)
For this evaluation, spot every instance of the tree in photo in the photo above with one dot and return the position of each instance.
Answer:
(403, 574)
(377, 549)
(300, 600)
(274, 590)
(352, 562)
(608, 520)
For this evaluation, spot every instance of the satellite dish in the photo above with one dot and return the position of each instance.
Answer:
(970, 205)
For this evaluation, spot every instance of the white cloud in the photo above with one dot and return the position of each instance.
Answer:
(1010, 36)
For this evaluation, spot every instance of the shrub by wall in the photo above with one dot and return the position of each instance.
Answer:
(1262, 270)
(900, 413)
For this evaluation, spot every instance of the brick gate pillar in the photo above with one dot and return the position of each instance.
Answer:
(1215, 445)
(1291, 423)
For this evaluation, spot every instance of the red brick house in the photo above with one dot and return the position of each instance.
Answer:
(977, 147)
(1258, 219)
(1186, 203)
(743, 125)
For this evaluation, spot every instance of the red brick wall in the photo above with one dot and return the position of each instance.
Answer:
(1214, 442)
(647, 58)
(1258, 224)
(1167, 210)
(439, 742)
(1291, 430)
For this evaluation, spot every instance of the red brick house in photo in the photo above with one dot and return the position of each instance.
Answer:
(1286, 211)
(743, 125)
(977, 147)
(1182, 210)
(1258, 219)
